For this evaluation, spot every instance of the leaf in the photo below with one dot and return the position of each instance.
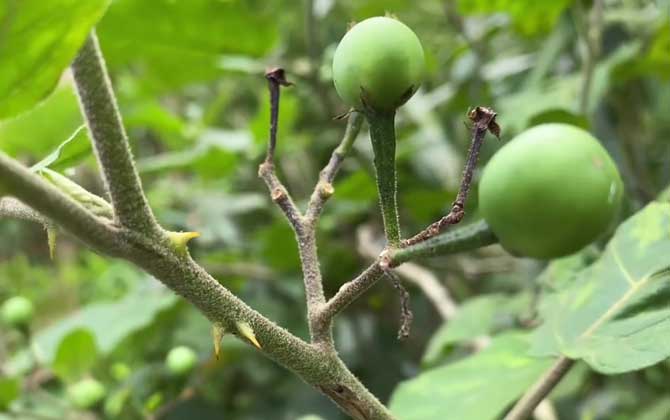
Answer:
(10, 388)
(477, 388)
(41, 38)
(109, 323)
(75, 356)
(475, 318)
(67, 153)
(187, 41)
(614, 312)
(39, 131)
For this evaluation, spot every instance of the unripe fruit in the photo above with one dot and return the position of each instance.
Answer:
(86, 393)
(17, 311)
(181, 360)
(550, 191)
(381, 60)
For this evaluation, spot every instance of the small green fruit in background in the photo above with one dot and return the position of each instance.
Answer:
(86, 393)
(381, 59)
(181, 360)
(550, 191)
(17, 312)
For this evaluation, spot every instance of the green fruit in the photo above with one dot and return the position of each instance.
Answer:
(381, 60)
(86, 393)
(550, 191)
(181, 360)
(17, 311)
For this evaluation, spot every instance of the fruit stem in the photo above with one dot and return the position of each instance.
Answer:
(382, 135)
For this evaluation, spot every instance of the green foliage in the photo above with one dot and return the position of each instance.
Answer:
(189, 80)
(41, 39)
(75, 356)
(613, 312)
(479, 387)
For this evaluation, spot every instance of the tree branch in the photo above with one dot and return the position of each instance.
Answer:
(425, 280)
(534, 396)
(324, 188)
(13, 208)
(466, 238)
(483, 120)
(110, 141)
(54, 205)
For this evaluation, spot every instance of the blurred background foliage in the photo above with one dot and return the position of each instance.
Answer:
(189, 80)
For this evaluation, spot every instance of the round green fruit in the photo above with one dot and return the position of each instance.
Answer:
(181, 360)
(17, 311)
(381, 61)
(86, 393)
(550, 191)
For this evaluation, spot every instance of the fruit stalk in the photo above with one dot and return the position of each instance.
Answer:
(382, 135)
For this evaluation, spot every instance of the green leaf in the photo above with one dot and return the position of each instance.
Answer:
(476, 317)
(184, 41)
(109, 323)
(43, 128)
(477, 388)
(10, 388)
(67, 153)
(41, 38)
(614, 312)
(75, 356)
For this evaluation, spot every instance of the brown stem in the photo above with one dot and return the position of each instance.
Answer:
(524, 408)
(483, 120)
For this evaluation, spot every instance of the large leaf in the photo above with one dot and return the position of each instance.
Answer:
(38, 41)
(477, 388)
(109, 323)
(186, 41)
(43, 128)
(615, 314)
(477, 317)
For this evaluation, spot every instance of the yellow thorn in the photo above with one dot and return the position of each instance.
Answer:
(51, 240)
(218, 331)
(180, 240)
(247, 332)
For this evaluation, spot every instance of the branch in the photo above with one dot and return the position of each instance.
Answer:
(483, 119)
(48, 201)
(589, 26)
(425, 280)
(13, 208)
(534, 396)
(110, 141)
(466, 238)
(324, 188)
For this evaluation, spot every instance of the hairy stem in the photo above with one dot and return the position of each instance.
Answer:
(382, 135)
(466, 238)
(110, 140)
(51, 203)
(524, 408)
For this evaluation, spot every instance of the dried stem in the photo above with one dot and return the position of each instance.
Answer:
(524, 408)
(483, 120)
(110, 141)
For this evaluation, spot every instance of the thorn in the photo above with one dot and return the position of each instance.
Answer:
(218, 331)
(51, 240)
(180, 240)
(247, 332)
